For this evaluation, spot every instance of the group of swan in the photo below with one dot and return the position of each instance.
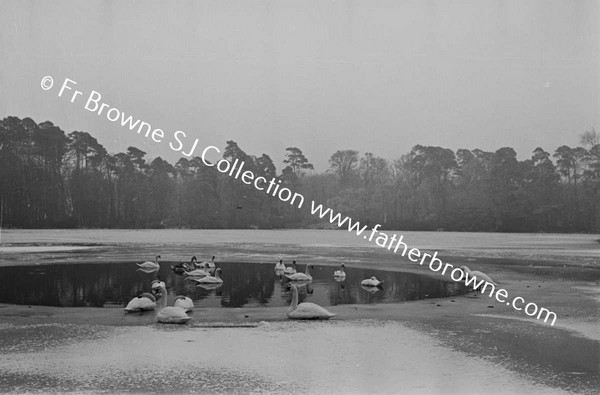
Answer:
(297, 276)
(208, 279)
(338, 275)
(281, 268)
(200, 273)
(176, 314)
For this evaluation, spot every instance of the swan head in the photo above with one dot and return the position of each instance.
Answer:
(158, 256)
(465, 269)
(193, 259)
(374, 278)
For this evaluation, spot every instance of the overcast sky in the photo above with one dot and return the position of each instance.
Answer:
(378, 76)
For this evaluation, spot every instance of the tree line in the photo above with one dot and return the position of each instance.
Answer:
(49, 179)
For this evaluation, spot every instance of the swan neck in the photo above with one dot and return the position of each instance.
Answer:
(163, 298)
(294, 303)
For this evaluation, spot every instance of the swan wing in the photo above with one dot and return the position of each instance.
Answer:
(197, 273)
(140, 304)
(310, 311)
(482, 276)
(299, 277)
(172, 315)
(211, 280)
(184, 302)
(147, 265)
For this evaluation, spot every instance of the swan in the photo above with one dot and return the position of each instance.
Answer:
(371, 282)
(340, 273)
(184, 302)
(280, 265)
(143, 302)
(290, 269)
(306, 310)
(210, 279)
(156, 285)
(170, 314)
(207, 264)
(181, 267)
(150, 264)
(301, 276)
(479, 275)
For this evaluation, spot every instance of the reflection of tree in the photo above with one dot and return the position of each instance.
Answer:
(94, 285)
(245, 282)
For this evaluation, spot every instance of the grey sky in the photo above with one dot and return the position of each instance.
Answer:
(378, 76)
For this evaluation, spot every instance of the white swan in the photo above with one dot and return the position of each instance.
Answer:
(156, 285)
(150, 264)
(143, 302)
(290, 269)
(340, 273)
(184, 302)
(216, 279)
(371, 282)
(197, 273)
(170, 314)
(478, 274)
(301, 276)
(306, 310)
(280, 265)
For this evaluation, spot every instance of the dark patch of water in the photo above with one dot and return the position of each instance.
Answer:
(244, 285)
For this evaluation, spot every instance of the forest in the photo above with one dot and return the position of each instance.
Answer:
(50, 179)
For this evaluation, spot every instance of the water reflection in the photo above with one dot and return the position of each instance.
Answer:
(244, 285)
